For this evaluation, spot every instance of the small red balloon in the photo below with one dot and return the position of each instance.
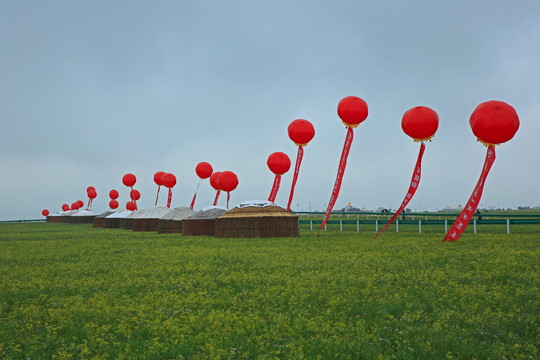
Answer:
(129, 180)
(494, 122)
(204, 170)
(301, 132)
(45, 212)
(279, 163)
(80, 203)
(90, 188)
(157, 178)
(65, 207)
(113, 194)
(113, 204)
(92, 194)
(352, 110)
(227, 181)
(420, 123)
(75, 206)
(214, 180)
(135, 195)
(130, 205)
(169, 180)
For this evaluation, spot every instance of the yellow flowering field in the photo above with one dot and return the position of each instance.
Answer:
(78, 292)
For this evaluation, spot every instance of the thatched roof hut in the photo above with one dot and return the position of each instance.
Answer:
(148, 220)
(202, 222)
(172, 221)
(116, 220)
(257, 219)
(99, 219)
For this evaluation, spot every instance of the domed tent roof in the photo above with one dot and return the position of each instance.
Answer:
(147, 220)
(115, 220)
(82, 217)
(203, 222)
(99, 219)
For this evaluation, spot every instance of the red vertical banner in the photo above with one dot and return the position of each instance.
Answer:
(295, 177)
(217, 196)
(228, 198)
(275, 188)
(412, 188)
(339, 177)
(169, 198)
(157, 196)
(195, 196)
(468, 211)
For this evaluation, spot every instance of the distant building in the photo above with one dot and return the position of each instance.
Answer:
(350, 208)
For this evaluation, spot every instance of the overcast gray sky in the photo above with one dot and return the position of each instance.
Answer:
(91, 90)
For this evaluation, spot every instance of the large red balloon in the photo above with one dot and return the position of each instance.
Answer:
(352, 110)
(279, 163)
(169, 180)
(130, 205)
(65, 207)
(80, 203)
(113, 204)
(129, 180)
(301, 132)
(214, 180)
(135, 195)
(204, 170)
(494, 122)
(90, 188)
(420, 123)
(92, 194)
(157, 178)
(45, 212)
(113, 194)
(75, 206)
(227, 181)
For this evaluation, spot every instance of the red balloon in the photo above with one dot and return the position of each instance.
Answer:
(130, 205)
(204, 170)
(420, 123)
(65, 207)
(279, 163)
(135, 195)
(227, 181)
(113, 194)
(169, 180)
(494, 122)
(113, 204)
(80, 203)
(92, 194)
(301, 132)
(129, 180)
(157, 178)
(214, 180)
(352, 110)
(90, 188)
(45, 212)
(75, 206)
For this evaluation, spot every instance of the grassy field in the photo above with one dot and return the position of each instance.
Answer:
(72, 291)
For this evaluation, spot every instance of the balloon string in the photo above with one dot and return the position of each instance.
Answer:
(339, 177)
(228, 197)
(217, 196)
(295, 177)
(169, 198)
(275, 188)
(412, 188)
(195, 196)
(468, 211)
(157, 196)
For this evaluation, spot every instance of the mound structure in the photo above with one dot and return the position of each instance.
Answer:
(82, 217)
(55, 217)
(148, 220)
(116, 220)
(99, 219)
(172, 221)
(127, 223)
(65, 216)
(257, 219)
(202, 222)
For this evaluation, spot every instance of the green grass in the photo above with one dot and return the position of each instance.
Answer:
(72, 291)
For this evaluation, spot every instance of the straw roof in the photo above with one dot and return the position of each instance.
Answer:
(258, 209)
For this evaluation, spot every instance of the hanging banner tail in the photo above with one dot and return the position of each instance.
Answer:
(157, 196)
(217, 196)
(195, 196)
(295, 177)
(134, 201)
(228, 198)
(169, 198)
(275, 188)
(339, 177)
(412, 188)
(468, 211)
